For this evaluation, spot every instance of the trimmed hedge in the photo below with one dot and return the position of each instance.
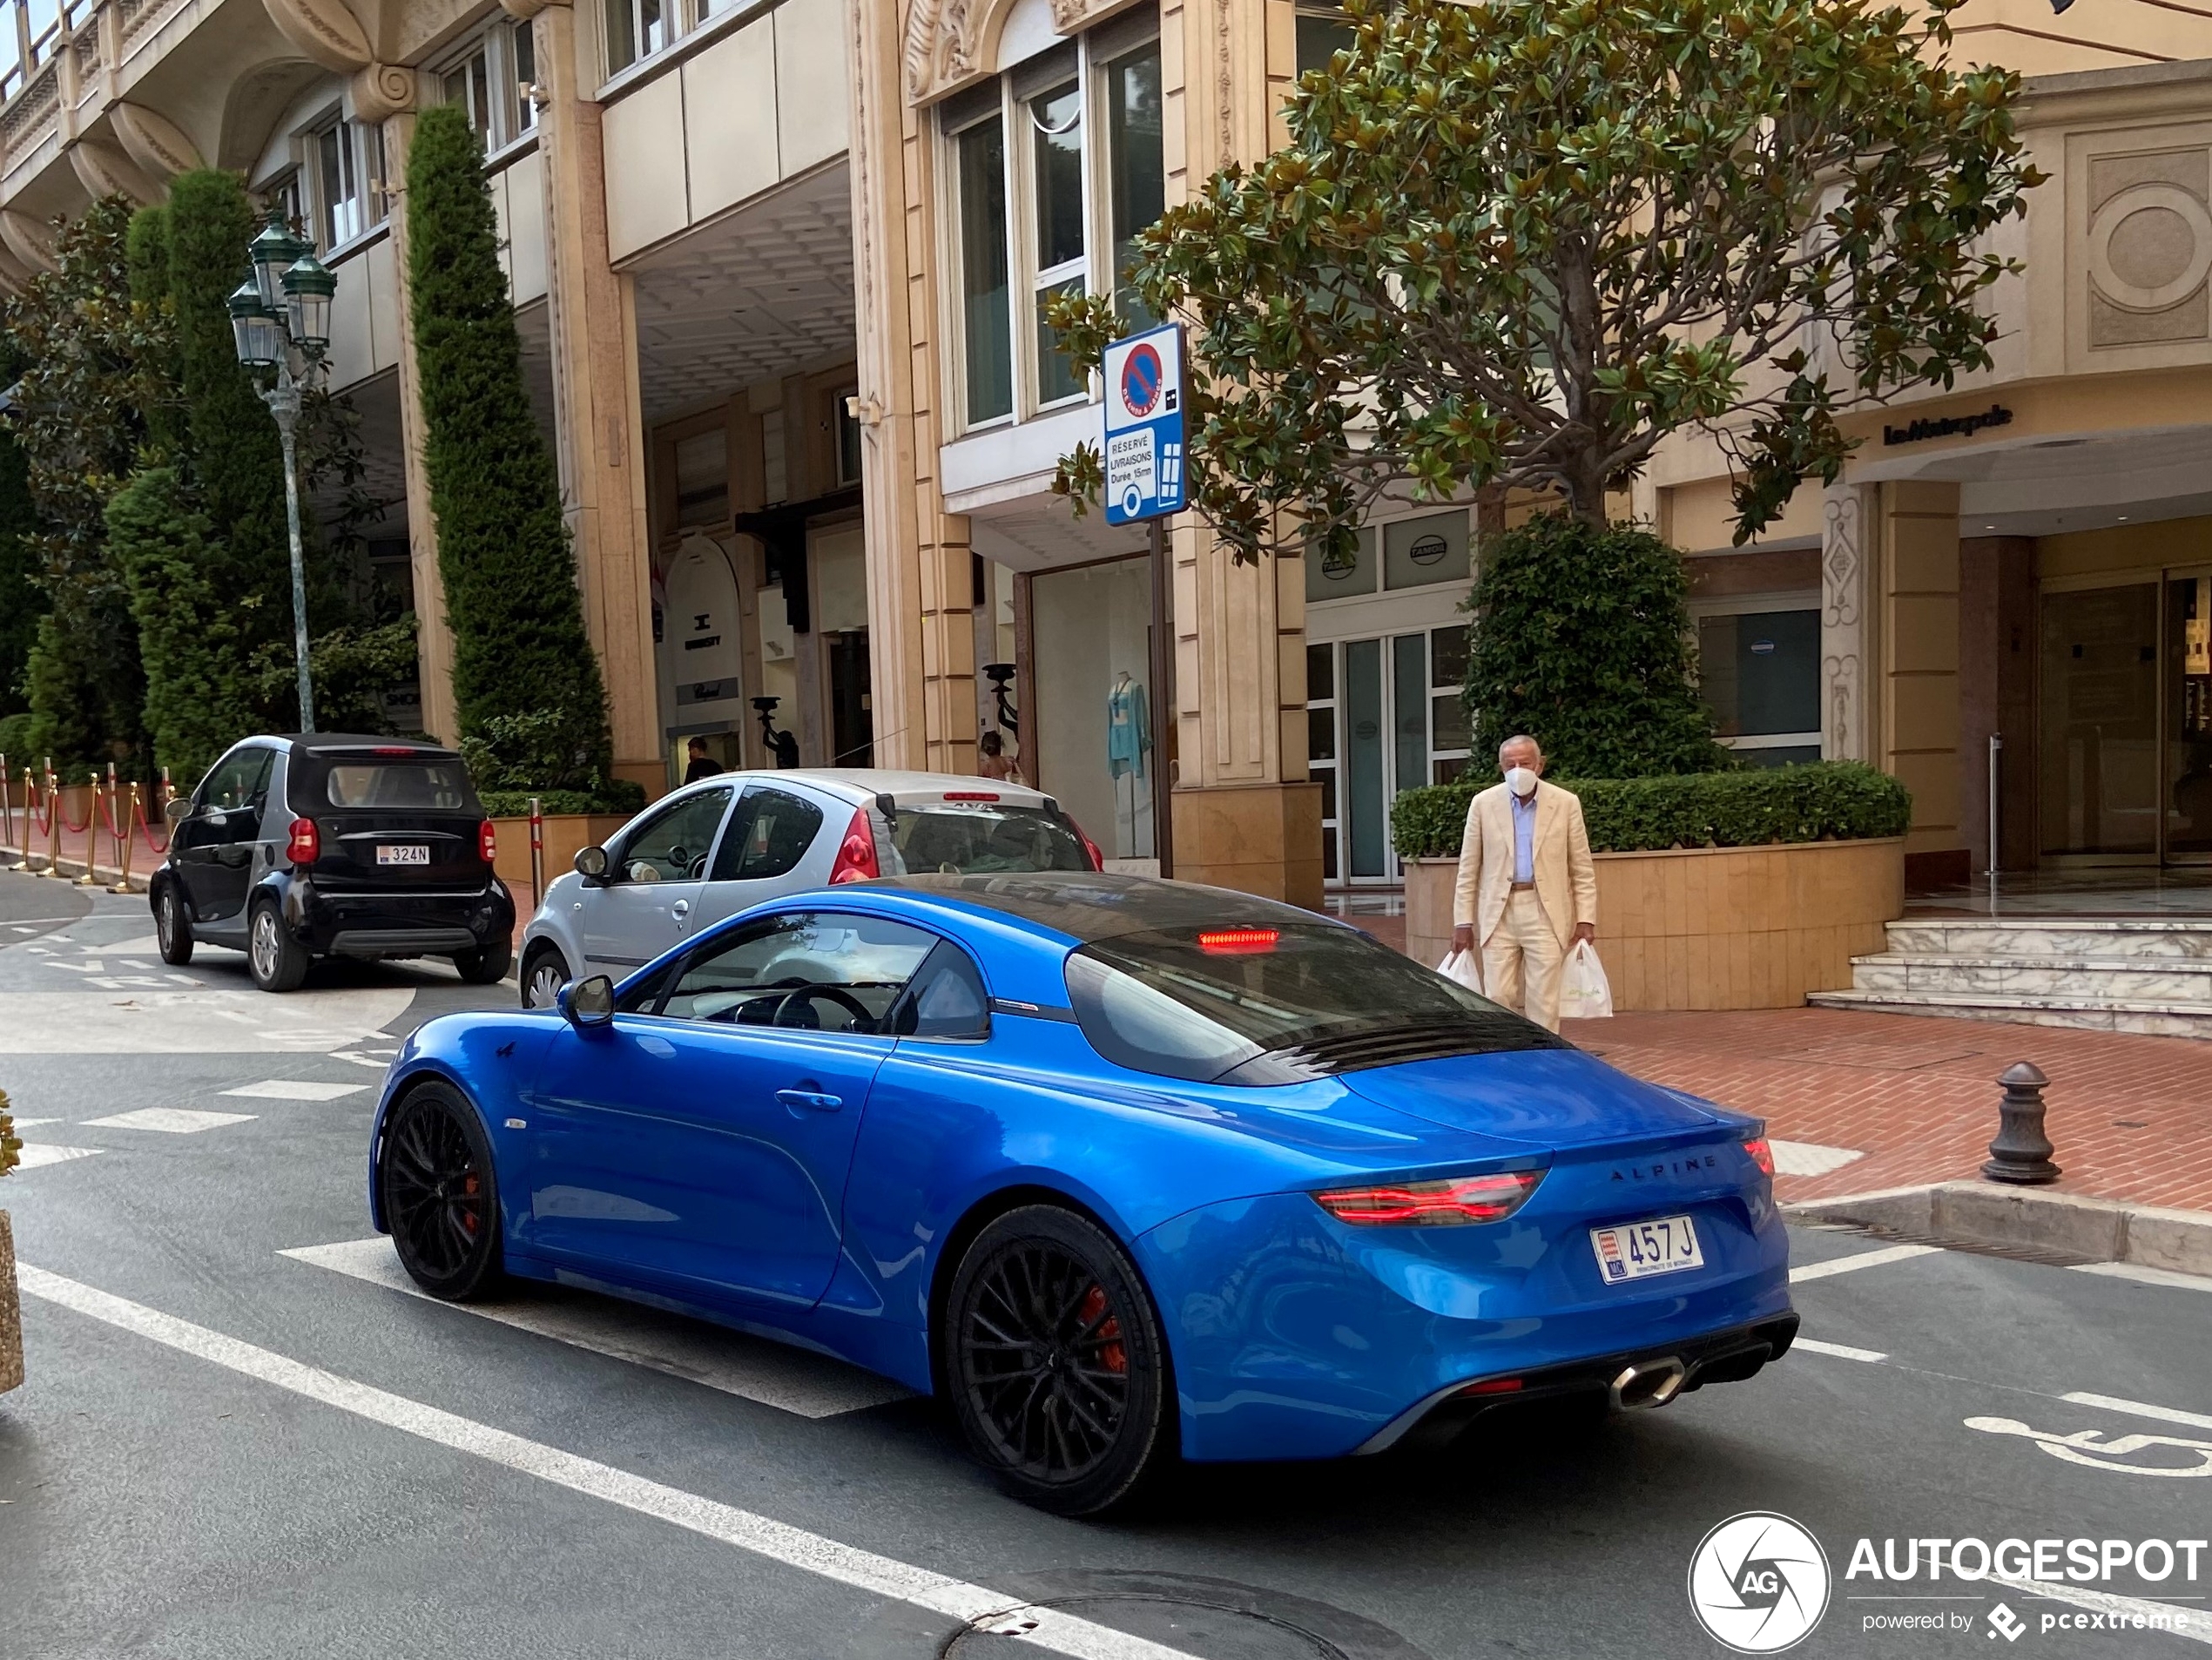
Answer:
(1819, 801)
(618, 795)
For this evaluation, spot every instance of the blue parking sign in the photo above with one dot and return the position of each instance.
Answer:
(1143, 447)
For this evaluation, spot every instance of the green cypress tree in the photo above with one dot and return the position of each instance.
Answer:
(146, 253)
(521, 652)
(198, 698)
(21, 603)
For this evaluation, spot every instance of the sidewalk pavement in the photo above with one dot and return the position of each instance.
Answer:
(2131, 1116)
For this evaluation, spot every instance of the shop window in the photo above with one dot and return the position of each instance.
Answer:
(1341, 576)
(1041, 209)
(1432, 549)
(1759, 673)
(1321, 745)
(702, 479)
(847, 426)
(1091, 731)
(1447, 673)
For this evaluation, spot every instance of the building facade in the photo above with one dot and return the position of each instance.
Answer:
(777, 269)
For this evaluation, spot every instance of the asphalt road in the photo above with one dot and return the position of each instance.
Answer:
(226, 1451)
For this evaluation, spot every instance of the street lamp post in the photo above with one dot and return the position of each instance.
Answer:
(280, 317)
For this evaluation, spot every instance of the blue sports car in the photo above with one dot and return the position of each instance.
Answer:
(1125, 1170)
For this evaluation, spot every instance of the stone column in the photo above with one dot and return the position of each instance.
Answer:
(1847, 623)
(1919, 654)
(601, 449)
(434, 636)
(921, 643)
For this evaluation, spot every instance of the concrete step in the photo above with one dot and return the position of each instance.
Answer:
(2157, 980)
(2099, 936)
(2095, 1014)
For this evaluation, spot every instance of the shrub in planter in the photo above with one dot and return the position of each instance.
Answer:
(1581, 637)
(1820, 801)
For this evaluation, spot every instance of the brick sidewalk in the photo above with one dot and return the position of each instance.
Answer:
(2131, 1116)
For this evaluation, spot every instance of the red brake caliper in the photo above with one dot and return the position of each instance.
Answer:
(1111, 1354)
(470, 1187)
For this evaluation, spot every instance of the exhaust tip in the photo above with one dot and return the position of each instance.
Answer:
(1648, 1384)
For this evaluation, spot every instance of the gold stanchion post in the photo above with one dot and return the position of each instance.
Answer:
(91, 834)
(53, 822)
(29, 795)
(130, 824)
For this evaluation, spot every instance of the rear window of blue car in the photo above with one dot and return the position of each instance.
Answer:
(1261, 1004)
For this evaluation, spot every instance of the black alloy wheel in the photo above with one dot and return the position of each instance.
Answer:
(172, 927)
(1057, 1369)
(440, 1194)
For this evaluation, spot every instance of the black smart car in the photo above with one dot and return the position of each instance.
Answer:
(329, 845)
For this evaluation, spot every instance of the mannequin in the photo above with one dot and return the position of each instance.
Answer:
(1129, 735)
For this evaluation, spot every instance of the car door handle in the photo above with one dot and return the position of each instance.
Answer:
(798, 1100)
(681, 909)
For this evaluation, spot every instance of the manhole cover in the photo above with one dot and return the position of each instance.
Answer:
(1209, 1619)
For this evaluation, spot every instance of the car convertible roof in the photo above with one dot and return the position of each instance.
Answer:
(1102, 905)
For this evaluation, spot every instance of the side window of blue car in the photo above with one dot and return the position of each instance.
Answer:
(946, 1000)
(807, 970)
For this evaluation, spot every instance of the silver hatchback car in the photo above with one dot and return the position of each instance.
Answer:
(711, 849)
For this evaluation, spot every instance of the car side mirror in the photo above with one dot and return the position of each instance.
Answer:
(591, 864)
(178, 809)
(588, 1003)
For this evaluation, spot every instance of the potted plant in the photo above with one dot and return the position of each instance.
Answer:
(10, 1309)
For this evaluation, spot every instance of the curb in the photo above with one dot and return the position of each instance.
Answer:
(1972, 1213)
(105, 875)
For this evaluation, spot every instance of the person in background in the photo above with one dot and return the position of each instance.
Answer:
(993, 761)
(1528, 885)
(702, 763)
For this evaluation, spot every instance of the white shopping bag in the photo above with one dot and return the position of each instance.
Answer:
(1583, 993)
(1466, 966)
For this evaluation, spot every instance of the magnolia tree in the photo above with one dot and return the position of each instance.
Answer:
(1520, 242)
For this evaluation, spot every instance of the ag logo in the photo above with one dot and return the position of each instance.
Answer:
(1758, 1582)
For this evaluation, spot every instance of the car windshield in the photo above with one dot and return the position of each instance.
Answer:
(424, 785)
(1201, 1002)
(978, 838)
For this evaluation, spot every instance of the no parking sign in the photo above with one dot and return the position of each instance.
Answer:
(1143, 446)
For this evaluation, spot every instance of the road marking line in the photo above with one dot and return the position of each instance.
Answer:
(36, 1153)
(25, 1124)
(752, 1368)
(747, 1530)
(2135, 1271)
(295, 1089)
(1841, 1351)
(2191, 1623)
(2140, 1409)
(170, 1121)
(1864, 1259)
(1809, 1158)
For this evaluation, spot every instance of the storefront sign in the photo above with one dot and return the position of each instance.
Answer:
(1143, 447)
(1948, 426)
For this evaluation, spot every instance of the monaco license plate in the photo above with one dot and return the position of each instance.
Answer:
(413, 853)
(1664, 1245)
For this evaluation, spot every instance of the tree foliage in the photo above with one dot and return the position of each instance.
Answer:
(1521, 241)
(93, 366)
(523, 662)
(1582, 640)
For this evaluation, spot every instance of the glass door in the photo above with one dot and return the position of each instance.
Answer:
(2187, 780)
(1383, 715)
(2099, 722)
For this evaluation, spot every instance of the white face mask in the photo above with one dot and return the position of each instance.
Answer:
(1521, 780)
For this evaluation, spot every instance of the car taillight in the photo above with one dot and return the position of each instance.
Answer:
(1762, 1151)
(306, 844)
(488, 840)
(1090, 848)
(1446, 1204)
(856, 854)
(1238, 943)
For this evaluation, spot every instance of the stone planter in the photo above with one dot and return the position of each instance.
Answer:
(1714, 927)
(566, 835)
(11, 1313)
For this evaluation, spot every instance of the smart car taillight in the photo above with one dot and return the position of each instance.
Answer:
(486, 841)
(1762, 1151)
(305, 845)
(856, 854)
(1449, 1202)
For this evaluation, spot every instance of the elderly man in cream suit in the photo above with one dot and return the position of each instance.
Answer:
(1527, 887)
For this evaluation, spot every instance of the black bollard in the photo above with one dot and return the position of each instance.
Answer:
(2021, 1153)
